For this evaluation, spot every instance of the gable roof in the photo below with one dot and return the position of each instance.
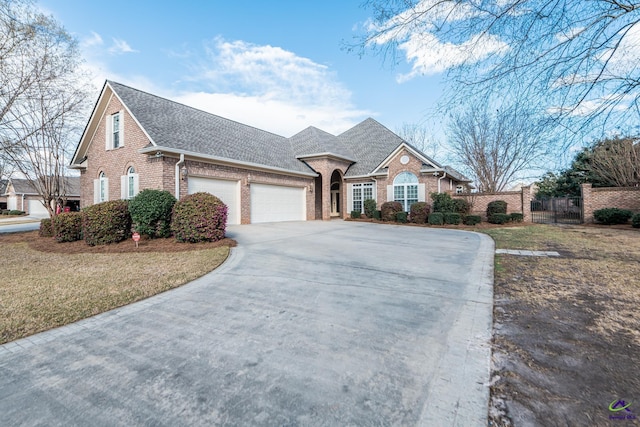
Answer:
(25, 186)
(3, 186)
(180, 129)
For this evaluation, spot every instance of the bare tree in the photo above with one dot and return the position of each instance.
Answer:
(617, 161)
(495, 147)
(572, 59)
(420, 137)
(41, 98)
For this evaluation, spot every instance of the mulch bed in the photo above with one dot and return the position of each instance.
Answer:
(44, 244)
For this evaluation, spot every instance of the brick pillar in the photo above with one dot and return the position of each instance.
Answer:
(587, 206)
(526, 203)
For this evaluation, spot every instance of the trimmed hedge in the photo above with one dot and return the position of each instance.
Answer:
(15, 212)
(452, 218)
(499, 218)
(496, 207)
(635, 221)
(67, 227)
(442, 202)
(401, 217)
(390, 209)
(355, 214)
(199, 217)
(472, 219)
(369, 207)
(151, 212)
(106, 222)
(517, 217)
(436, 218)
(419, 212)
(377, 214)
(461, 206)
(610, 216)
(46, 228)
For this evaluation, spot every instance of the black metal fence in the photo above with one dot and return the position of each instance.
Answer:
(567, 210)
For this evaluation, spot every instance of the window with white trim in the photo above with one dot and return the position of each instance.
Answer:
(129, 184)
(360, 193)
(459, 189)
(114, 131)
(101, 188)
(405, 189)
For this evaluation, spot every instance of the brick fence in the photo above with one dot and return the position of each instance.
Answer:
(592, 200)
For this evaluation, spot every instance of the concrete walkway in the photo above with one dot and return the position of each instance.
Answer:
(316, 323)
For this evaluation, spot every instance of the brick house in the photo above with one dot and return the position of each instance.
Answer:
(23, 196)
(135, 140)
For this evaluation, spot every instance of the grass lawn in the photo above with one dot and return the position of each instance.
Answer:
(567, 330)
(47, 284)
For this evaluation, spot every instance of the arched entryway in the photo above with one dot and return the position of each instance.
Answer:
(336, 194)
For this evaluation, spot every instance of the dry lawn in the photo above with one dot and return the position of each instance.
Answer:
(567, 330)
(47, 284)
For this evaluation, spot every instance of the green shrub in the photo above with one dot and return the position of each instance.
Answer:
(496, 207)
(369, 207)
(436, 218)
(419, 212)
(389, 210)
(635, 221)
(4, 212)
(610, 216)
(472, 219)
(377, 214)
(67, 227)
(355, 214)
(199, 217)
(516, 217)
(442, 202)
(106, 222)
(151, 212)
(16, 212)
(499, 218)
(461, 206)
(452, 218)
(46, 228)
(401, 217)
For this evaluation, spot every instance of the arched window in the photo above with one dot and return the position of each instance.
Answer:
(129, 184)
(405, 189)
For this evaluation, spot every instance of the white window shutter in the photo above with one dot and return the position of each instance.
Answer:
(121, 130)
(124, 187)
(106, 189)
(389, 193)
(136, 181)
(108, 136)
(374, 193)
(96, 191)
(349, 198)
(422, 193)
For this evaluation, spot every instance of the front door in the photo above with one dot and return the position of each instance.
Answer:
(335, 202)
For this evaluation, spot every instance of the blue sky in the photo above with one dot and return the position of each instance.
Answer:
(280, 65)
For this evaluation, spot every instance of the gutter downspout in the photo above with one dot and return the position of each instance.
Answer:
(180, 163)
(22, 203)
(440, 179)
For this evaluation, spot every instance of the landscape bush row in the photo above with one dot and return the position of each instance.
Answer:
(195, 218)
(444, 210)
(11, 212)
(612, 216)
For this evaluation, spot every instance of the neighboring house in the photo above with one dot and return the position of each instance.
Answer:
(135, 140)
(22, 195)
(3, 196)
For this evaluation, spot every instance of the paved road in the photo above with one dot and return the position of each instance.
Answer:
(316, 323)
(15, 225)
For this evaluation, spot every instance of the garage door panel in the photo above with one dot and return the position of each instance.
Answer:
(227, 191)
(274, 203)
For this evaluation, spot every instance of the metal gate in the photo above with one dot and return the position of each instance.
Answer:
(566, 210)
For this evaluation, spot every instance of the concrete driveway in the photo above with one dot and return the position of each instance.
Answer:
(310, 323)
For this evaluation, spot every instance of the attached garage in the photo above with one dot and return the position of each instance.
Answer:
(36, 208)
(273, 203)
(225, 190)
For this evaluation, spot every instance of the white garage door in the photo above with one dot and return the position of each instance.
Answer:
(227, 191)
(272, 203)
(36, 208)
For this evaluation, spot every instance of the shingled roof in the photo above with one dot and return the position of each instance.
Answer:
(176, 126)
(24, 186)
(313, 141)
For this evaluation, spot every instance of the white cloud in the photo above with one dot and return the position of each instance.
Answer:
(120, 46)
(92, 41)
(271, 88)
